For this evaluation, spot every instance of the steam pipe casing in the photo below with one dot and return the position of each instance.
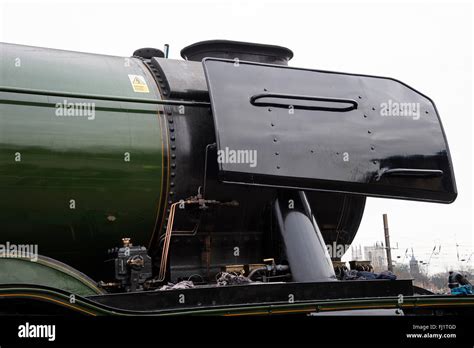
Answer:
(303, 242)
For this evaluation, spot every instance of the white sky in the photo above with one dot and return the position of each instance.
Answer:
(428, 45)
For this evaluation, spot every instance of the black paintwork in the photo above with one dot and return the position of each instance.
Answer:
(338, 215)
(215, 233)
(389, 156)
(148, 53)
(181, 79)
(208, 297)
(234, 50)
(204, 241)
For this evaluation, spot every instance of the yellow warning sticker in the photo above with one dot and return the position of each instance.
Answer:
(138, 83)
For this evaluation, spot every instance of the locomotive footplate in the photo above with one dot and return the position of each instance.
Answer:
(253, 294)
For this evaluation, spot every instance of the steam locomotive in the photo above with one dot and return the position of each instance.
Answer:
(130, 173)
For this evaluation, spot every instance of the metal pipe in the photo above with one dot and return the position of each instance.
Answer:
(304, 245)
(101, 97)
(252, 273)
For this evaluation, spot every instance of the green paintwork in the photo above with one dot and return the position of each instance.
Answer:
(80, 158)
(46, 272)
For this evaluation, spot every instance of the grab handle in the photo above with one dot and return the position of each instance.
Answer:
(272, 100)
(419, 173)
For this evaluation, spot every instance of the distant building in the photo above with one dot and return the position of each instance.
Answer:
(356, 251)
(376, 255)
(414, 267)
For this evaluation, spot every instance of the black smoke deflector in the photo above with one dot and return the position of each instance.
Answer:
(329, 131)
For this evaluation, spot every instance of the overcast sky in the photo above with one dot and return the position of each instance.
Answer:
(426, 45)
